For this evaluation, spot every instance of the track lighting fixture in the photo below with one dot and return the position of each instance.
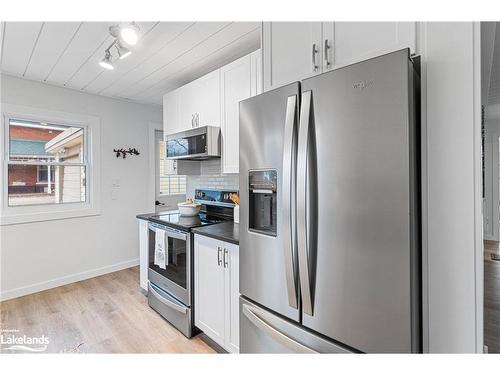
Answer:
(123, 34)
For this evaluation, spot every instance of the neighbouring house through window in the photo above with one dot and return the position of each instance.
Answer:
(169, 184)
(46, 163)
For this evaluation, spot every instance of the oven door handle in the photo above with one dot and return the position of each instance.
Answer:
(168, 302)
(170, 233)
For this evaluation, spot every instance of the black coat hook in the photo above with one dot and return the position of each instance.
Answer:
(123, 152)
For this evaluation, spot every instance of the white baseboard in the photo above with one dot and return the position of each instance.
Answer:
(38, 287)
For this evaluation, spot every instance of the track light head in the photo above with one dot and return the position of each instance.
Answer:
(107, 62)
(122, 51)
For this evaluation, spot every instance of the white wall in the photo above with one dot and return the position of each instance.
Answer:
(452, 186)
(37, 256)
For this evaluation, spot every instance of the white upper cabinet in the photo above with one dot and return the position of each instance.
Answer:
(200, 102)
(293, 51)
(236, 85)
(256, 72)
(349, 42)
(214, 100)
(171, 114)
(192, 105)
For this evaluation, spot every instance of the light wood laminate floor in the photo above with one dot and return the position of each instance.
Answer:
(491, 297)
(105, 314)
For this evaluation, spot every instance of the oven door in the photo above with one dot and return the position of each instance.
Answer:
(176, 277)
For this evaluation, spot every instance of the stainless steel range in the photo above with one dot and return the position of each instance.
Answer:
(170, 286)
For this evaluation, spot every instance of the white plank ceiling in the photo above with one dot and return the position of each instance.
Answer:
(168, 55)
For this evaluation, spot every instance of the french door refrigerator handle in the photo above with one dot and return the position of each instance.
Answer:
(288, 183)
(302, 227)
(283, 339)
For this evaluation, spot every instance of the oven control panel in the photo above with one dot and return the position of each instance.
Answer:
(214, 197)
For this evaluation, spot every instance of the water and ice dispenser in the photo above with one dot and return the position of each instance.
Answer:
(263, 201)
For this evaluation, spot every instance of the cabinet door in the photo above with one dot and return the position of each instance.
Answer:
(209, 287)
(256, 72)
(209, 105)
(188, 105)
(350, 42)
(171, 116)
(232, 319)
(288, 52)
(143, 253)
(236, 85)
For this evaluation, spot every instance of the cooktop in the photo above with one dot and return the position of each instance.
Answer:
(187, 222)
(216, 208)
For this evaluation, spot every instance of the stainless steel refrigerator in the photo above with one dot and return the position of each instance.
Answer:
(330, 212)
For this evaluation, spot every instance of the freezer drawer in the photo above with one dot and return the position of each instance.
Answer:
(265, 332)
(172, 310)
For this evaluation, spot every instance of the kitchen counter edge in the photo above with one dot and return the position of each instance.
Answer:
(226, 231)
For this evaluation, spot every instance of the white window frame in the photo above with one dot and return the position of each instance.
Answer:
(32, 213)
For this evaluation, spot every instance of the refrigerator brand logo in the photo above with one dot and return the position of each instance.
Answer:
(361, 85)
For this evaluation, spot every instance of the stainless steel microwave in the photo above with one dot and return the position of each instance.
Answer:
(194, 144)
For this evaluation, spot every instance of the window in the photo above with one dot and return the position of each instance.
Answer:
(50, 165)
(169, 184)
(43, 174)
(46, 163)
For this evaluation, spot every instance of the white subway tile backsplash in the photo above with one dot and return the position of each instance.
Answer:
(212, 178)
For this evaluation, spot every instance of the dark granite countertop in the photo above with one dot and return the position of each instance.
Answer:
(227, 231)
(145, 216)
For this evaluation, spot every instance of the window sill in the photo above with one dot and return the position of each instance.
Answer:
(12, 219)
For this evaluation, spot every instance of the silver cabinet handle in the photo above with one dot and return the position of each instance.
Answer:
(302, 227)
(226, 256)
(288, 182)
(314, 52)
(166, 301)
(325, 53)
(284, 340)
(219, 253)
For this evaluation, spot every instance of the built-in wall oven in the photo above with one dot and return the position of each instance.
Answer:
(169, 290)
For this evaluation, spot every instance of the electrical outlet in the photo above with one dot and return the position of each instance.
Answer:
(115, 182)
(114, 194)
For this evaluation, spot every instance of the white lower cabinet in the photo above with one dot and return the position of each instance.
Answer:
(143, 253)
(216, 309)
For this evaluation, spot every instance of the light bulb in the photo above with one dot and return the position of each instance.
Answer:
(106, 62)
(130, 34)
(122, 51)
